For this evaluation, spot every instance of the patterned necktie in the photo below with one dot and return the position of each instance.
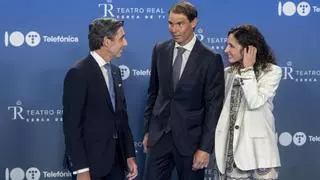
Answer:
(176, 69)
(107, 66)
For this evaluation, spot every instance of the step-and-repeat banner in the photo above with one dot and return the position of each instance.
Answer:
(40, 40)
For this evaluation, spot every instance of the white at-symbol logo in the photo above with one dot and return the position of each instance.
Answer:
(125, 71)
(19, 174)
(289, 8)
(299, 138)
(17, 39)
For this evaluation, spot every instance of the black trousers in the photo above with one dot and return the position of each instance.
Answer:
(163, 157)
(118, 169)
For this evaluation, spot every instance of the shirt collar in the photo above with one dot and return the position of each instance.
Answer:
(189, 45)
(101, 62)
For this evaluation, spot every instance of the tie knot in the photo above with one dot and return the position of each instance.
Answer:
(181, 50)
(107, 66)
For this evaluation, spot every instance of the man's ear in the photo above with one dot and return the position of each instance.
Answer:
(106, 42)
(194, 22)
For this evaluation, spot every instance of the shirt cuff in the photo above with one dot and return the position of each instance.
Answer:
(80, 171)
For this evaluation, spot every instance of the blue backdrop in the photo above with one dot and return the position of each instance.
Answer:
(42, 39)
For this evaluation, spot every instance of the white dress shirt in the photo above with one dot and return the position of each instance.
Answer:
(186, 54)
(101, 62)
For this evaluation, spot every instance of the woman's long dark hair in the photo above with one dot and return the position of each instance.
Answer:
(247, 35)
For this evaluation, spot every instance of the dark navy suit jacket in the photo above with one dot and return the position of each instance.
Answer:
(193, 108)
(89, 121)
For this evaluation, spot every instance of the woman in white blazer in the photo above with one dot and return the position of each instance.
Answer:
(245, 140)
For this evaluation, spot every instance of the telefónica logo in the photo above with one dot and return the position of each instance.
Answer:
(289, 8)
(125, 71)
(33, 39)
(19, 174)
(17, 38)
(299, 138)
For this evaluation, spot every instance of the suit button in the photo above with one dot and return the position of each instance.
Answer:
(115, 136)
(236, 127)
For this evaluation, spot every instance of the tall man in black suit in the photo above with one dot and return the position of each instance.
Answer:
(99, 142)
(185, 98)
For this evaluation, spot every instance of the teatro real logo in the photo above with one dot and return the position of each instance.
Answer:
(215, 42)
(34, 115)
(291, 73)
(110, 9)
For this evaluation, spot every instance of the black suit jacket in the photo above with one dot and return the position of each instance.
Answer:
(89, 121)
(193, 109)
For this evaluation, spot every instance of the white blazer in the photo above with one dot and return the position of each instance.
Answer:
(254, 141)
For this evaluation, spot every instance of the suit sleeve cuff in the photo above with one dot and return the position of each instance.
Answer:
(81, 171)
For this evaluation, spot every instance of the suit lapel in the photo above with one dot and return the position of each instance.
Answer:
(117, 86)
(101, 83)
(169, 50)
(192, 63)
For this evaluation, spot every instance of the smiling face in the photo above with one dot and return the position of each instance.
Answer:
(234, 50)
(181, 28)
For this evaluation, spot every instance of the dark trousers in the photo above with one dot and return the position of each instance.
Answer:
(163, 157)
(118, 169)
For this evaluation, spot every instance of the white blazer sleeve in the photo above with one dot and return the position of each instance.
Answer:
(257, 93)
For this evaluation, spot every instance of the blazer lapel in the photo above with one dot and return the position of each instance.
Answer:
(229, 82)
(169, 50)
(117, 86)
(192, 63)
(101, 83)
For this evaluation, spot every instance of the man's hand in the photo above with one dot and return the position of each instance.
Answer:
(145, 143)
(83, 176)
(200, 160)
(133, 168)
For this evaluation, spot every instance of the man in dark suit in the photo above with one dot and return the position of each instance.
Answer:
(98, 139)
(185, 98)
